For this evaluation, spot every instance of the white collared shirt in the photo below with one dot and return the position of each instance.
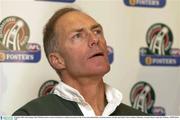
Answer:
(113, 97)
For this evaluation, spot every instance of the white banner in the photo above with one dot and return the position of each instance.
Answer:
(134, 30)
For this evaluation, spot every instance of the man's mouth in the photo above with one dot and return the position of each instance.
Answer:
(98, 54)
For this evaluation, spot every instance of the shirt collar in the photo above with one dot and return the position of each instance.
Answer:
(113, 96)
(68, 93)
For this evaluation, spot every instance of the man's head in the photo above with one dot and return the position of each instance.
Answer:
(50, 38)
(74, 44)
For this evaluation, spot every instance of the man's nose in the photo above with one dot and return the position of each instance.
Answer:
(93, 39)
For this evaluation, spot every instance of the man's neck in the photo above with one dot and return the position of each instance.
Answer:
(93, 91)
(95, 96)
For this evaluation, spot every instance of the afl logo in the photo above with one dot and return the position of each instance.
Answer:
(142, 97)
(14, 33)
(46, 87)
(159, 39)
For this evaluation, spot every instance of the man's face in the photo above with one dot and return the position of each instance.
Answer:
(82, 45)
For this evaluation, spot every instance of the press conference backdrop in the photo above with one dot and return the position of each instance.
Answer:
(143, 38)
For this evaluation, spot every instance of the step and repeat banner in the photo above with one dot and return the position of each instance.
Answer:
(143, 38)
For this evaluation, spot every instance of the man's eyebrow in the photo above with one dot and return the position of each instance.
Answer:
(96, 26)
(78, 30)
(92, 27)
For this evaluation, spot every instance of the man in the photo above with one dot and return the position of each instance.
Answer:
(76, 48)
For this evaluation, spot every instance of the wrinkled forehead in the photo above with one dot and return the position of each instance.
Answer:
(74, 20)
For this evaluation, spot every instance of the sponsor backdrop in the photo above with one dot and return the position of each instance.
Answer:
(144, 51)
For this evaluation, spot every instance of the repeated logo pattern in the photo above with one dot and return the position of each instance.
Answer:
(159, 51)
(14, 46)
(142, 97)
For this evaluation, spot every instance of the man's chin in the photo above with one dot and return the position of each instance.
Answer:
(101, 70)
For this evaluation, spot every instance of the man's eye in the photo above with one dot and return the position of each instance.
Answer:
(98, 31)
(77, 35)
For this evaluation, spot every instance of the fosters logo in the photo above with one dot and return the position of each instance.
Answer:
(14, 46)
(159, 40)
(146, 3)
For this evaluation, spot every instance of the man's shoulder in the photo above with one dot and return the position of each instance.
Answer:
(40, 103)
(47, 105)
(44, 100)
(126, 110)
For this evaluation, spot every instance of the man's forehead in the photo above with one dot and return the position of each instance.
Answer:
(76, 19)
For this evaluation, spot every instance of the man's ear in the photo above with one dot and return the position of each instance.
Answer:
(56, 61)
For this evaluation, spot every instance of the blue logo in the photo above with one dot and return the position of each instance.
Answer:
(146, 3)
(110, 54)
(159, 52)
(68, 1)
(14, 46)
